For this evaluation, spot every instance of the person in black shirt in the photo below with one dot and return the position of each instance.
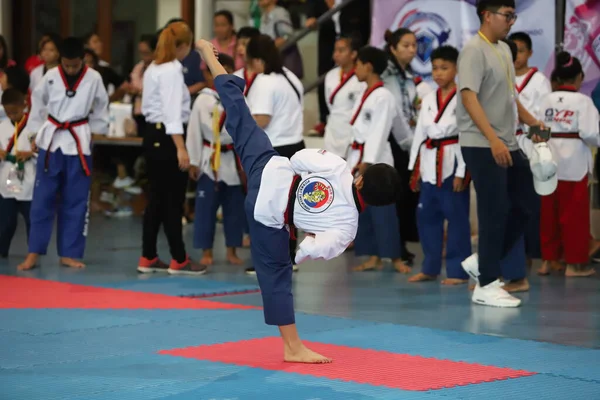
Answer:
(109, 76)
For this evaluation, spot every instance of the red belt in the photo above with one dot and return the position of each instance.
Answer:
(361, 149)
(565, 135)
(68, 126)
(438, 144)
(519, 132)
(238, 164)
(288, 216)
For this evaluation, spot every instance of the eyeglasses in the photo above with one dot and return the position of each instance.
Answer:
(510, 17)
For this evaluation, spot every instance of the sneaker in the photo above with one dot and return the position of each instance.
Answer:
(121, 212)
(146, 266)
(133, 190)
(188, 267)
(122, 183)
(471, 266)
(494, 295)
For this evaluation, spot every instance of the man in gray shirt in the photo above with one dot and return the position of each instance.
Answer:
(487, 114)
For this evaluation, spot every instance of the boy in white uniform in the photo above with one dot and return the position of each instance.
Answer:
(439, 173)
(372, 116)
(313, 191)
(17, 168)
(214, 164)
(342, 91)
(76, 104)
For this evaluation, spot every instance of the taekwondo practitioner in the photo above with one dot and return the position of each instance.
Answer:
(17, 167)
(67, 107)
(215, 166)
(372, 116)
(313, 191)
(439, 173)
(342, 90)
(532, 86)
(574, 123)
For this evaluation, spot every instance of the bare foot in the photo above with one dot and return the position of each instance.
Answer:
(454, 281)
(71, 263)
(521, 285)
(304, 355)
(578, 270)
(232, 257)
(550, 266)
(401, 267)
(421, 277)
(246, 241)
(207, 258)
(373, 263)
(29, 263)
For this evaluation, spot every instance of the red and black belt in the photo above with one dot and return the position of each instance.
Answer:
(361, 151)
(519, 132)
(439, 145)
(565, 135)
(238, 163)
(69, 127)
(288, 216)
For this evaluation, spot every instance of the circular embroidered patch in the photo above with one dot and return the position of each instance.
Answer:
(315, 194)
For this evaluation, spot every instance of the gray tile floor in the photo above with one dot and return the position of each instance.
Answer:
(559, 310)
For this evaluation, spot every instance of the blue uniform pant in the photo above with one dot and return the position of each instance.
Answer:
(9, 211)
(436, 205)
(63, 190)
(208, 200)
(378, 233)
(269, 246)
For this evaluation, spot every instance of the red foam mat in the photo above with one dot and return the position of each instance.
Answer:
(18, 292)
(380, 368)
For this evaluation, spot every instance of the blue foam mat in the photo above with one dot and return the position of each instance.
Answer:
(180, 286)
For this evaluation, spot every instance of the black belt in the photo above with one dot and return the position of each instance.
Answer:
(289, 211)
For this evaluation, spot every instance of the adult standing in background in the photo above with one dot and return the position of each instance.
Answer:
(487, 113)
(225, 39)
(352, 20)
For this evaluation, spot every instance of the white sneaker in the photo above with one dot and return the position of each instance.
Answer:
(122, 183)
(471, 266)
(494, 295)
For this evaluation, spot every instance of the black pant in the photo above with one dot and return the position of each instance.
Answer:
(9, 212)
(406, 207)
(325, 63)
(288, 151)
(166, 193)
(504, 198)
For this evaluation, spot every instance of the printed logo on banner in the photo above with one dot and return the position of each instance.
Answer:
(315, 194)
(432, 31)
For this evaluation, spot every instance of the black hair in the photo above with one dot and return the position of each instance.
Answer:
(227, 61)
(492, 5)
(392, 39)
(72, 48)
(522, 37)
(169, 22)
(150, 39)
(4, 58)
(354, 40)
(262, 47)
(374, 56)
(54, 38)
(381, 185)
(88, 36)
(17, 78)
(568, 68)
(446, 53)
(513, 48)
(248, 32)
(93, 54)
(13, 96)
(226, 14)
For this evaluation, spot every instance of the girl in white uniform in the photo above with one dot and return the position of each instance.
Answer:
(342, 91)
(216, 167)
(408, 90)
(276, 102)
(50, 54)
(17, 168)
(166, 108)
(574, 123)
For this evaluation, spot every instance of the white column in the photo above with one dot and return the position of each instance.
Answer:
(204, 10)
(6, 23)
(165, 10)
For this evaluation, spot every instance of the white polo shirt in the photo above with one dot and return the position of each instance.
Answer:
(273, 95)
